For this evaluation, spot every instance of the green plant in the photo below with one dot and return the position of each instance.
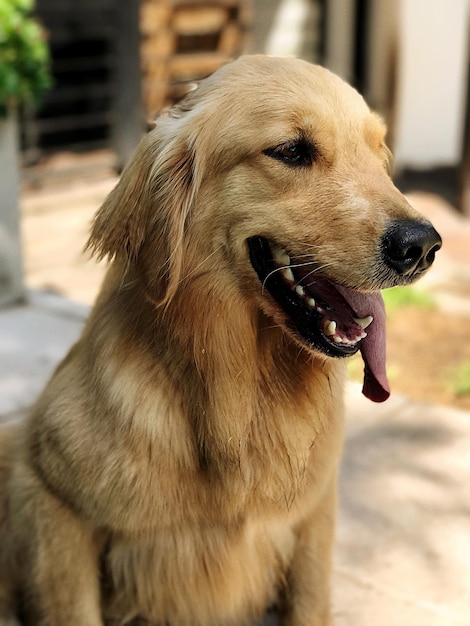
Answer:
(402, 297)
(24, 56)
(458, 379)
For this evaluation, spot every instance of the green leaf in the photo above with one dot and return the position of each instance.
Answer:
(24, 55)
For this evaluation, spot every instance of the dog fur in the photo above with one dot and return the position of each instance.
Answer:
(180, 467)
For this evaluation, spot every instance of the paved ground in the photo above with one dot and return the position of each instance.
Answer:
(403, 542)
(403, 549)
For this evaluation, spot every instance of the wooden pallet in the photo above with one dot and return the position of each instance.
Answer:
(185, 40)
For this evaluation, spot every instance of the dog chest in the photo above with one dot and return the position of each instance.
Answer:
(199, 575)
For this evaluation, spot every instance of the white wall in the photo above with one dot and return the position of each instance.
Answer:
(431, 81)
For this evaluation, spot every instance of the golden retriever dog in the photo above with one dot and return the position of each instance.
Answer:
(180, 467)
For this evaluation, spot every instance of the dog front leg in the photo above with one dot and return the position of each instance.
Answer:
(307, 596)
(61, 574)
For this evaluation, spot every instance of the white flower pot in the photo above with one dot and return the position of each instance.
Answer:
(11, 274)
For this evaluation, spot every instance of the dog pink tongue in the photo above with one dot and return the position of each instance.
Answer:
(372, 348)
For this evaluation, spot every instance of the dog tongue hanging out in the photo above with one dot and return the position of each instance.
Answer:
(330, 317)
(336, 319)
(180, 467)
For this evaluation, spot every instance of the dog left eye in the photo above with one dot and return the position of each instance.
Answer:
(293, 153)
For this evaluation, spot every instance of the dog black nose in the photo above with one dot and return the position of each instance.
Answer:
(410, 246)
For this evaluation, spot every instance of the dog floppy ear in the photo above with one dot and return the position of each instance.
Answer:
(152, 201)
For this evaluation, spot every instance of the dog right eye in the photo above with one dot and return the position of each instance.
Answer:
(296, 153)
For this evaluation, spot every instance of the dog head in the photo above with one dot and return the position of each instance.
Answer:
(270, 183)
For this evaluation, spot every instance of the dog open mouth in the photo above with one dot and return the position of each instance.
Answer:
(331, 318)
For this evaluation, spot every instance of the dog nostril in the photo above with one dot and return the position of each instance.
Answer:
(431, 255)
(410, 246)
(412, 254)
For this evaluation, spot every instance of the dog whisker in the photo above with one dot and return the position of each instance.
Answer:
(274, 271)
(294, 266)
(314, 271)
(200, 264)
(303, 264)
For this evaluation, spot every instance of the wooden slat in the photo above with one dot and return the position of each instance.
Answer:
(199, 20)
(157, 49)
(154, 17)
(187, 66)
(184, 40)
(230, 38)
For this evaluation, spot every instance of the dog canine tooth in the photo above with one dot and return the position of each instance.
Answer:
(364, 322)
(288, 274)
(330, 328)
(280, 256)
(299, 290)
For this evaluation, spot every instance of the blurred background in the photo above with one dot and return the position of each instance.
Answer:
(115, 63)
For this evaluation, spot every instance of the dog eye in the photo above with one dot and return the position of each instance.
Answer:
(293, 153)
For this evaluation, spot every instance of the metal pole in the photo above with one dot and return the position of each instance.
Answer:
(129, 121)
(11, 267)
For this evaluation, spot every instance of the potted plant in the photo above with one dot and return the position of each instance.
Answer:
(24, 76)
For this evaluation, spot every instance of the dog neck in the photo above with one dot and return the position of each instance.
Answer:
(238, 379)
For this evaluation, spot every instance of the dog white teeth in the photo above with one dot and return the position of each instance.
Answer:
(299, 290)
(364, 322)
(280, 256)
(330, 328)
(311, 302)
(288, 275)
